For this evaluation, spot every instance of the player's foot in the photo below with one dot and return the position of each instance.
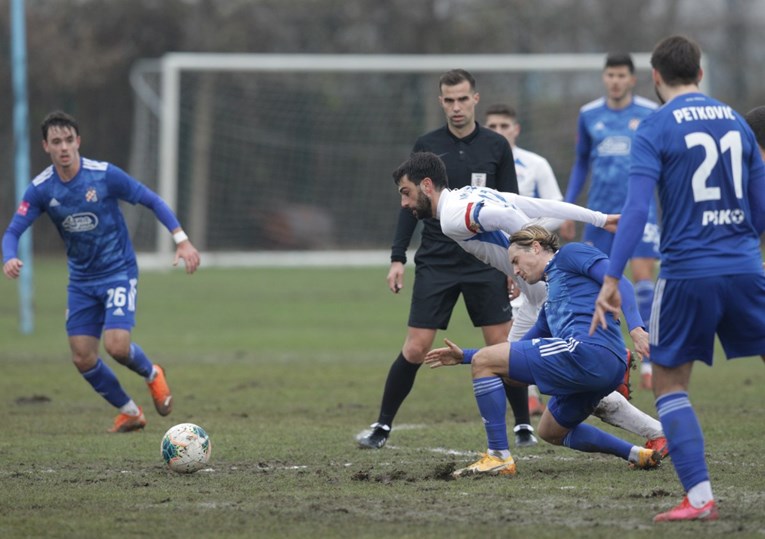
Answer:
(488, 464)
(685, 511)
(376, 438)
(524, 436)
(647, 459)
(160, 392)
(129, 423)
(625, 388)
(659, 445)
(536, 406)
(646, 376)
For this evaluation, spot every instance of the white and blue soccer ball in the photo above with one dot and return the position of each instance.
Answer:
(186, 448)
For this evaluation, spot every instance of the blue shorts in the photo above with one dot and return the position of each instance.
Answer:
(648, 247)
(576, 374)
(687, 313)
(109, 304)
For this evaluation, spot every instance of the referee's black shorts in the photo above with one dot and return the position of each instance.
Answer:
(444, 272)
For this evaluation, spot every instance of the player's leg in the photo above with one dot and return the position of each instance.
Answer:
(85, 318)
(578, 374)
(434, 294)
(487, 302)
(559, 426)
(615, 410)
(683, 326)
(489, 370)
(120, 301)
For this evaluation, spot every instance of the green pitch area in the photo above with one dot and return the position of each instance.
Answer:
(283, 368)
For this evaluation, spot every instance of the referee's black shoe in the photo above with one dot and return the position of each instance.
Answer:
(524, 436)
(375, 438)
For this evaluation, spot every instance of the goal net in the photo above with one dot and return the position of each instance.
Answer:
(288, 158)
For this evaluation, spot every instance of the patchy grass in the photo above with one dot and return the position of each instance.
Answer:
(283, 368)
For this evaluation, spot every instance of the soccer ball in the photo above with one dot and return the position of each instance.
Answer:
(186, 448)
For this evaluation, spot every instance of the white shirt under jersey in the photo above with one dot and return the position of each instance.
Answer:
(481, 221)
(537, 179)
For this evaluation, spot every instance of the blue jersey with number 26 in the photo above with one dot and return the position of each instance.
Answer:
(702, 155)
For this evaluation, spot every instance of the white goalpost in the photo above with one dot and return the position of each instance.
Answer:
(285, 159)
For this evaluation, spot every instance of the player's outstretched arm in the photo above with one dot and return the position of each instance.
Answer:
(441, 357)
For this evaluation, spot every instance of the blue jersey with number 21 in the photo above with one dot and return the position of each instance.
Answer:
(702, 155)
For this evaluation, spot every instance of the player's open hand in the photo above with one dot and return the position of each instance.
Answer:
(189, 254)
(396, 277)
(12, 268)
(442, 357)
(609, 301)
(612, 221)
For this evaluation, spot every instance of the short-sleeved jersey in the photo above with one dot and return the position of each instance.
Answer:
(85, 211)
(571, 295)
(703, 156)
(535, 175)
(604, 139)
(480, 220)
(483, 158)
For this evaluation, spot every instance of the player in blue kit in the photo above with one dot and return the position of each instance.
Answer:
(81, 197)
(704, 160)
(604, 136)
(557, 354)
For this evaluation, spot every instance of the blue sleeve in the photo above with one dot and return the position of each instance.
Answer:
(632, 222)
(597, 272)
(122, 185)
(467, 355)
(539, 330)
(581, 166)
(25, 215)
(164, 214)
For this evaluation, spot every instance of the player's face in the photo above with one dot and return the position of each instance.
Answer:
(619, 83)
(459, 103)
(505, 126)
(528, 264)
(63, 146)
(413, 199)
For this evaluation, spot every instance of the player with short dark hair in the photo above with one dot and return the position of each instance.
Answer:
(81, 196)
(605, 131)
(473, 155)
(703, 158)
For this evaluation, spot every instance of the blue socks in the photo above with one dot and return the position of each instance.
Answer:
(591, 439)
(138, 361)
(686, 442)
(104, 381)
(492, 404)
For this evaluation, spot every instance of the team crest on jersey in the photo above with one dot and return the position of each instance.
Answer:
(634, 123)
(23, 208)
(91, 195)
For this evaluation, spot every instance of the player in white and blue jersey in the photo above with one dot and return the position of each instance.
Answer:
(704, 160)
(557, 354)
(605, 131)
(481, 220)
(81, 196)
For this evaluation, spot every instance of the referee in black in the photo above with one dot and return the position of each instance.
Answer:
(473, 155)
